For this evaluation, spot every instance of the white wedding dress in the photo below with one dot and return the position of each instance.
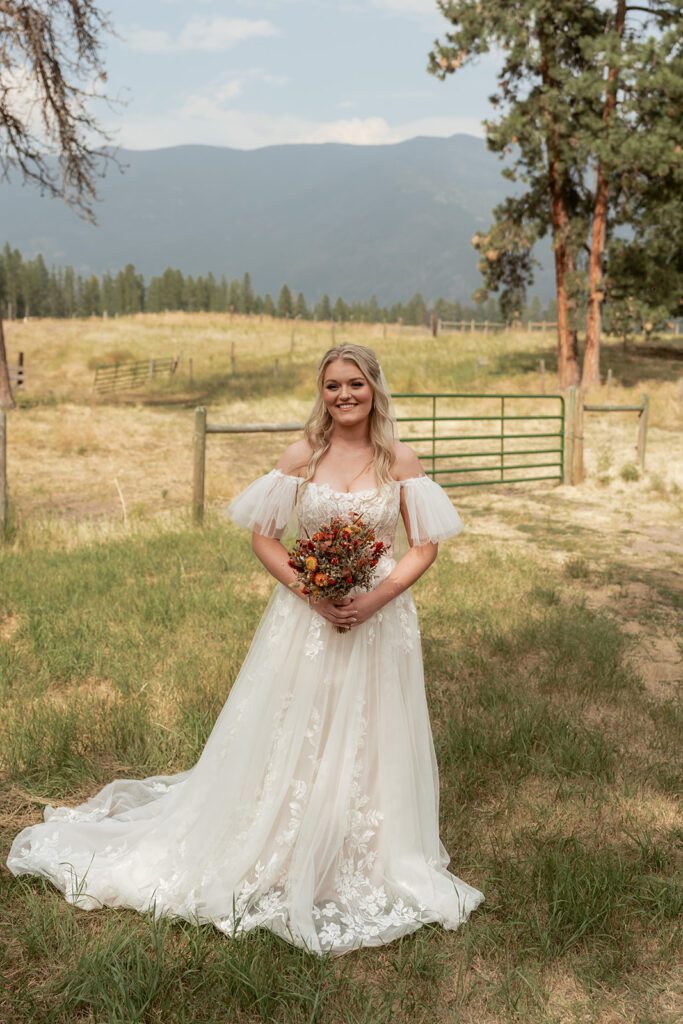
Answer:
(313, 808)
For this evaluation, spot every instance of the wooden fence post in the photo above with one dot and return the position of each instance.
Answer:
(570, 407)
(577, 466)
(642, 430)
(3, 472)
(199, 465)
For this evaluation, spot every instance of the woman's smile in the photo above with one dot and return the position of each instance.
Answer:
(346, 390)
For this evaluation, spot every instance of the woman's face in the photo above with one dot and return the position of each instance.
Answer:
(346, 393)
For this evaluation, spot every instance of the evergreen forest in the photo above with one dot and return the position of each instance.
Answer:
(28, 288)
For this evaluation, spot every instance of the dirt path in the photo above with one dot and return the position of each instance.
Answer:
(620, 542)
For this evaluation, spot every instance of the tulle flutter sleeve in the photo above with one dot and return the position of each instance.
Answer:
(431, 516)
(266, 504)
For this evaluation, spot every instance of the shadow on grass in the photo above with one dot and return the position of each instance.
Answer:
(219, 386)
(629, 367)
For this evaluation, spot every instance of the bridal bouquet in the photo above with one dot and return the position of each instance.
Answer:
(339, 556)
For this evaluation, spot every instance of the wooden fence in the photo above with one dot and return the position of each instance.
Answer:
(472, 325)
(541, 325)
(494, 325)
(568, 466)
(441, 464)
(574, 465)
(123, 376)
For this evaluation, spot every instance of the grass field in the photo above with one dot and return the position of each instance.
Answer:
(552, 652)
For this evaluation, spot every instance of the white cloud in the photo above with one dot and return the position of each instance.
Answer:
(201, 34)
(229, 90)
(209, 103)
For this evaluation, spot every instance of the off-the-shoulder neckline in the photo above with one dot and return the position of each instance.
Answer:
(369, 490)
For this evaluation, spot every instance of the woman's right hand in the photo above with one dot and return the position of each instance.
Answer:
(335, 610)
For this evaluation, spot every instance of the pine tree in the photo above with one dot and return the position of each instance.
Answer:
(129, 291)
(247, 294)
(223, 294)
(301, 309)
(285, 305)
(323, 308)
(574, 79)
(92, 296)
(340, 312)
(235, 297)
(108, 295)
(416, 311)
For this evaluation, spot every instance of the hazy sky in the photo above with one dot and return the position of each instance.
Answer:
(249, 73)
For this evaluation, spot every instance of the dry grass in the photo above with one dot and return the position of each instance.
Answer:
(102, 488)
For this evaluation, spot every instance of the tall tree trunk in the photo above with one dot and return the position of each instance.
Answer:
(591, 357)
(567, 342)
(6, 397)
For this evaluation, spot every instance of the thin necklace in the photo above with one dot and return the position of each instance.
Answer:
(363, 467)
(362, 470)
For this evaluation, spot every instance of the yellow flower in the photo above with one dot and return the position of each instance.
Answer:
(311, 563)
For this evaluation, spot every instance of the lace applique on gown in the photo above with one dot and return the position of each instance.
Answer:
(313, 808)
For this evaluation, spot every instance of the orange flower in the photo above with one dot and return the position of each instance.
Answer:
(311, 563)
(320, 579)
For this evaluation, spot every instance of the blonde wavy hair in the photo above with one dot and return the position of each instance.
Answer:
(318, 427)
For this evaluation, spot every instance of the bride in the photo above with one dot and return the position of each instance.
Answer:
(313, 808)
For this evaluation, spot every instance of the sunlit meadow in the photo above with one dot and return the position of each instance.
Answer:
(552, 661)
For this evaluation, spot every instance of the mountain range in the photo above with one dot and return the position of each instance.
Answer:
(347, 220)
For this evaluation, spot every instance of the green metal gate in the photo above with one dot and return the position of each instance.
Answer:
(446, 466)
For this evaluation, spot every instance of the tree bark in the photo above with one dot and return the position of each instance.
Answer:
(567, 342)
(6, 397)
(591, 357)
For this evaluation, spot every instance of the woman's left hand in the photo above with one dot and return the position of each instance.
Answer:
(363, 607)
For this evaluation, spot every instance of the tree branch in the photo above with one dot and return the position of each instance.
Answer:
(648, 10)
